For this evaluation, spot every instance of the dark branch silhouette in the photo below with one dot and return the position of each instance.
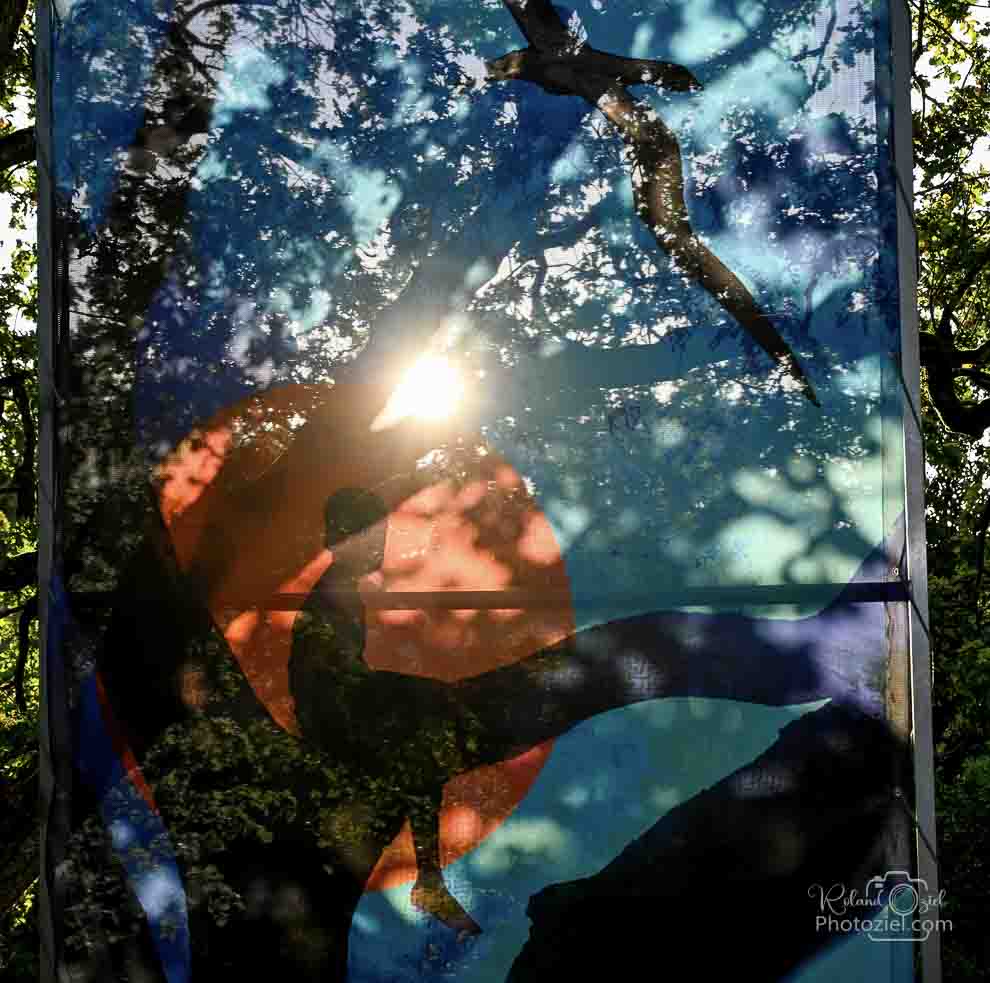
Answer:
(19, 571)
(17, 148)
(944, 363)
(24, 476)
(29, 613)
(562, 64)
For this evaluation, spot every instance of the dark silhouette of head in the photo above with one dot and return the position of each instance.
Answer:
(355, 529)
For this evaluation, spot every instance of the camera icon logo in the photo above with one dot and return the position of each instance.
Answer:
(901, 892)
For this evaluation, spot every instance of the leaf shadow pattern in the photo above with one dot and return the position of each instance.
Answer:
(388, 740)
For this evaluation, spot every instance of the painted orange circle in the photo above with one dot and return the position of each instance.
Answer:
(242, 497)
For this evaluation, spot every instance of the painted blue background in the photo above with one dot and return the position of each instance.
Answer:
(729, 479)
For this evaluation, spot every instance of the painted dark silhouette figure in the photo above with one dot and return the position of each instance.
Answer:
(392, 724)
(223, 550)
(236, 528)
(407, 735)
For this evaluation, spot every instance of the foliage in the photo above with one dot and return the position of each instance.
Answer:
(951, 122)
(19, 939)
(960, 622)
(18, 526)
(964, 804)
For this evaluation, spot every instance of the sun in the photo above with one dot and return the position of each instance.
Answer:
(432, 389)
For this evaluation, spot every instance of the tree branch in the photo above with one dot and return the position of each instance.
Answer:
(17, 148)
(19, 572)
(24, 477)
(540, 23)
(658, 191)
(919, 44)
(974, 356)
(28, 614)
(942, 363)
(944, 326)
(950, 37)
(540, 67)
(12, 14)
(981, 379)
(565, 234)
(206, 5)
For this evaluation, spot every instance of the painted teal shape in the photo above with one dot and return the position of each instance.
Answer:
(859, 959)
(606, 782)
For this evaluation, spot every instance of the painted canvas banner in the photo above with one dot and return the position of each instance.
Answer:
(481, 533)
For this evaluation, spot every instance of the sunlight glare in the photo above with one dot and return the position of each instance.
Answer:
(431, 390)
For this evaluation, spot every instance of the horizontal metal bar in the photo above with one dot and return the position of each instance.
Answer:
(749, 595)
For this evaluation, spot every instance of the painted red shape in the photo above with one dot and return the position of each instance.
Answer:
(243, 498)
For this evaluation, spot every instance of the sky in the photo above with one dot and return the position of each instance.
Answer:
(9, 236)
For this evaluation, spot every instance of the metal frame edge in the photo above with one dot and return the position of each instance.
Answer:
(914, 474)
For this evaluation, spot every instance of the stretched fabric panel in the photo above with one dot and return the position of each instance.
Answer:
(483, 528)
